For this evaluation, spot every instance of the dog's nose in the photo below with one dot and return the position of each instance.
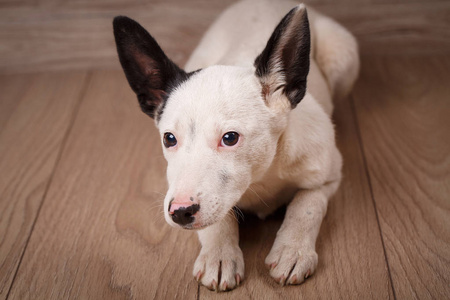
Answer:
(183, 214)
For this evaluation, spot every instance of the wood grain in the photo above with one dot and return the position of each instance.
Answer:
(78, 34)
(403, 112)
(101, 232)
(397, 29)
(12, 88)
(351, 259)
(34, 123)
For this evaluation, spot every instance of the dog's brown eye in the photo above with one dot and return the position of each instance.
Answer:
(230, 139)
(169, 140)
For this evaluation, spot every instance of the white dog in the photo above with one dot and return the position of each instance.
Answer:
(241, 130)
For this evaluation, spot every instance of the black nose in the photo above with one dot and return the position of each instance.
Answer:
(185, 215)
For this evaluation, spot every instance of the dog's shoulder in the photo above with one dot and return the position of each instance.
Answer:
(307, 152)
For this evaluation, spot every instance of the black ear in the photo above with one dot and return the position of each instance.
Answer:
(150, 73)
(284, 63)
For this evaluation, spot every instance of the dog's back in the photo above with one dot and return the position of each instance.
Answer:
(241, 32)
(237, 37)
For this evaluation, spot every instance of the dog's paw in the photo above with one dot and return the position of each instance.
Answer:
(291, 264)
(220, 269)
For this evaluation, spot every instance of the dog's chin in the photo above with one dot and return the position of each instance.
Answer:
(198, 224)
(195, 226)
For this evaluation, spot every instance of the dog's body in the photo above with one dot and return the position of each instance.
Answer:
(235, 136)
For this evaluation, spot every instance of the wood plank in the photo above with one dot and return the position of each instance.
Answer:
(403, 110)
(101, 232)
(30, 142)
(12, 88)
(128, 2)
(78, 34)
(81, 37)
(351, 259)
(419, 28)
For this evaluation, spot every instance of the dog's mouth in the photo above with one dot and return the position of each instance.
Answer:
(195, 226)
(201, 224)
(189, 221)
(192, 213)
(198, 223)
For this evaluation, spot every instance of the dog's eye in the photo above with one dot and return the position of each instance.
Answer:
(230, 139)
(169, 140)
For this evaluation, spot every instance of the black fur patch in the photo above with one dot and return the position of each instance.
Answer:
(171, 88)
(150, 73)
(290, 44)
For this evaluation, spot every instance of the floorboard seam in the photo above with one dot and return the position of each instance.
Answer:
(57, 161)
(366, 169)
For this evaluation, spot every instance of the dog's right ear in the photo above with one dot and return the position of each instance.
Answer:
(284, 63)
(150, 73)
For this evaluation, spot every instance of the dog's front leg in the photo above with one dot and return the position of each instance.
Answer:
(293, 256)
(220, 264)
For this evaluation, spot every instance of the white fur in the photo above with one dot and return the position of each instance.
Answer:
(283, 156)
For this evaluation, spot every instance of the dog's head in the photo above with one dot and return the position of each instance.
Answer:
(220, 125)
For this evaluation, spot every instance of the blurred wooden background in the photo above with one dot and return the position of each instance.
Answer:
(38, 35)
(82, 175)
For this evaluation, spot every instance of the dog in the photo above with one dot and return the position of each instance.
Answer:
(247, 124)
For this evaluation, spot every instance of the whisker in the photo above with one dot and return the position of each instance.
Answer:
(239, 213)
(159, 193)
(258, 196)
(158, 206)
(228, 224)
(231, 212)
(156, 219)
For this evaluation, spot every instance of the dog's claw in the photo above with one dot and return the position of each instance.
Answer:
(299, 261)
(199, 276)
(282, 280)
(230, 272)
(214, 285)
(238, 279)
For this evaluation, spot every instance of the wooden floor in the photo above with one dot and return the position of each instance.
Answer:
(82, 182)
(61, 34)
(82, 176)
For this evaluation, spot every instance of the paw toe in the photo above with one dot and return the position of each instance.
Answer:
(292, 266)
(219, 273)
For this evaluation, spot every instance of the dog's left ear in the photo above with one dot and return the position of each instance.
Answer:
(150, 73)
(284, 63)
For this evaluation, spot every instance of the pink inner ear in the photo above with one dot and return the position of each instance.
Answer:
(149, 67)
(265, 91)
